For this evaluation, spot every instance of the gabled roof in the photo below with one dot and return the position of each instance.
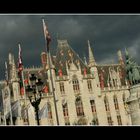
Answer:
(104, 69)
(66, 54)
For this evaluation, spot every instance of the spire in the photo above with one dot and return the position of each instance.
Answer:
(120, 58)
(14, 69)
(12, 66)
(91, 57)
(126, 52)
(10, 58)
(67, 69)
(85, 60)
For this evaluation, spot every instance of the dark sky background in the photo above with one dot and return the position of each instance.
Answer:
(107, 34)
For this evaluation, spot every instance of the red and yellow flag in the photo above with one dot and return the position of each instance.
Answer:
(46, 34)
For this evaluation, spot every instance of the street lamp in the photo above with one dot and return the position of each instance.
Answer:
(34, 93)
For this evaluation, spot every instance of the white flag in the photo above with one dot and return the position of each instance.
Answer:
(16, 109)
(46, 34)
(6, 101)
(43, 113)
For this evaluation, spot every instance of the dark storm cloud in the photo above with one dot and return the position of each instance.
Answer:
(107, 34)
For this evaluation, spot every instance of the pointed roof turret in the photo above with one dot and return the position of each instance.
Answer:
(10, 58)
(12, 67)
(14, 75)
(120, 58)
(126, 52)
(85, 60)
(64, 54)
(72, 65)
(91, 57)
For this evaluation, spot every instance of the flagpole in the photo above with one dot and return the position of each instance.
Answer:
(25, 98)
(47, 41)
(54, 98)
(24, 90)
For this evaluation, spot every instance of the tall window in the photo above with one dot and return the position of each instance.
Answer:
(106, 104)
(79, 107)
(95, 121)
(65, 110)
(62, 89)
(123, 97)
(93, 106)
(109, 119)
(75, 83)
(89, 85)
(49, 111)
(66, 114)
(116, 102)
(119, 120)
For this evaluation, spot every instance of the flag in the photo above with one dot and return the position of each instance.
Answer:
(20, 65)
(43, 113)
(45, 89)
(85, 71)
(20, 71)
(22, 90)
(46, 34)
(60, 72)
(26, 81)
(6, 101)
(24, 112)
(16, 109)
(28, 112)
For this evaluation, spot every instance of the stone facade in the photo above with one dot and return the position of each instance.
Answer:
(86, 94)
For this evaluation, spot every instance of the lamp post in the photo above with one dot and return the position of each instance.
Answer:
(34, 93)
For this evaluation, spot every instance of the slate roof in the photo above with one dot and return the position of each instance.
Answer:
(66, 54)
(105, 70)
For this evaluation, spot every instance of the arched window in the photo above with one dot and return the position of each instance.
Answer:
(75, 83)
(116, 102)
(109, 119)
(93, 106)
(62, 89)
(49, 111)
(66, 114)
(65, 110)
(79, 107)
(106, 104)
(89, 85)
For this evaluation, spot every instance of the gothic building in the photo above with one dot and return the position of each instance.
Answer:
(86, 93)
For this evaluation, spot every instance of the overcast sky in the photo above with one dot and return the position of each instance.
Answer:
(107, 34)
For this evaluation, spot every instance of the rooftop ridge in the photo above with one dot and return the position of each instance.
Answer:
(108, 65)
